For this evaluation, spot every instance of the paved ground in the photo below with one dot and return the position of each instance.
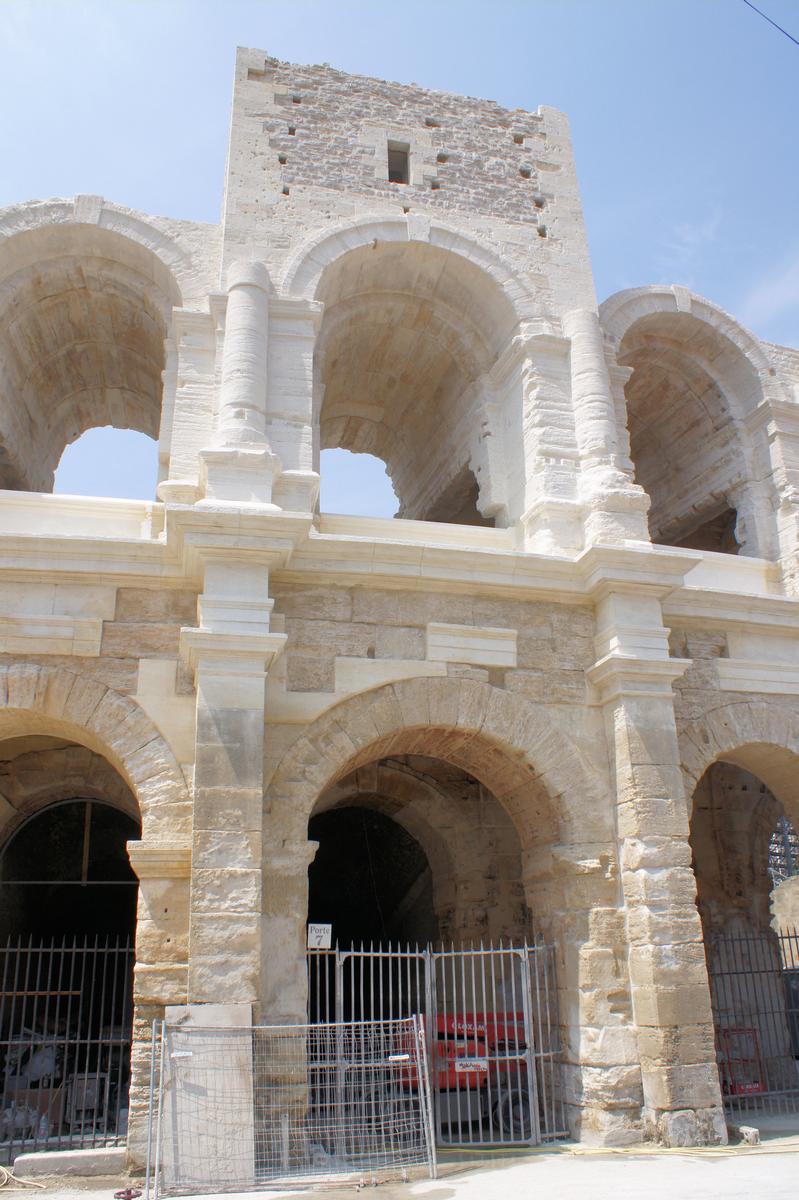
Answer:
(770, 1171)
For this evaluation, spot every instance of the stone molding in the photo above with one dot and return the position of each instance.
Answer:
(758, 675)
(621, 675)
(163, 861)
(255, 650)
(55, 634)
(480, 645)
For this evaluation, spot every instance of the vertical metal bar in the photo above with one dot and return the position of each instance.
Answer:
(159, 1118)
(494, 1093)
(4, 1033)
(529, 1037)
(150, 1101)
(431, 1030)
(48, 1036)
(487, 1046)
(113, 1043)
(423, 1076)
(538, 965)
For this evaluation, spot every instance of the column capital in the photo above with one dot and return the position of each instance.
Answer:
(168, 860)
(617, 675)
(244, 273)
(228, 650)
(289, 858)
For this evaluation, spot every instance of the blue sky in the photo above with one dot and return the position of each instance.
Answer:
(683, 115)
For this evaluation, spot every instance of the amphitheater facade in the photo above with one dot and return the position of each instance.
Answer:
(564, 679)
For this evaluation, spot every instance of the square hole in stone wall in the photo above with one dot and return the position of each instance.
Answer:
(399, 162)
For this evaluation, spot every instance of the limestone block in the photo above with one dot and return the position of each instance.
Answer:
(218, 808)
(662, 1006)
(480, 645)
(665, 1047)
(226, 889)
(653, 927)
(326, 604)
(161, 942)
(608, 1087)
(220, 849)
(661, 887)
(160, 984)
(654, 852)
(139, 639)
(227, 978)
(310, 672)
(402, 642)
(681, 1085)
(164, 606)
(235, 934)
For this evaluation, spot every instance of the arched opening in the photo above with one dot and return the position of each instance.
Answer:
(66, 871)
(688, 393)
(83, 317)
(355, 484)
(67, 925)
(741, 841)
(431, 834)
(369, 879)
(408, 336)
(109, 462)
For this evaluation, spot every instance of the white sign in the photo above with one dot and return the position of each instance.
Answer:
(464, 1065)
(320, 937)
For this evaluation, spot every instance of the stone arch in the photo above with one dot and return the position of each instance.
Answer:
(469, 841)
(415, 317)
(504, 741)
(695, 377)
(37, 772)
(54, 220)
(58, 702)
(760, 737)
(306, 266)
(86, 303)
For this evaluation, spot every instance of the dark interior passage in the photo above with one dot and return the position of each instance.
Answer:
(370, 879)
(66, 871)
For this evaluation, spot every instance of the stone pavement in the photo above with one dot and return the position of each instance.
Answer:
(735, 1173)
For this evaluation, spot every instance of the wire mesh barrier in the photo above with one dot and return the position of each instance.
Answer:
(754, 983)
(491, 1024)
(65, 1034)
(256, 1107)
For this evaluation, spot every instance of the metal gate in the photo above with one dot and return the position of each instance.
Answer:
(251, 1107)
(490, 1017)
(65, 1034)
(754, 984)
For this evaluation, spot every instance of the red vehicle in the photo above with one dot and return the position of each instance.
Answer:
(479, 1071)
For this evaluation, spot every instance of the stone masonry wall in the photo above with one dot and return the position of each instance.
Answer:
(309, 149)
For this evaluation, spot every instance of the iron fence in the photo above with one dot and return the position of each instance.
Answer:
(754, 983)
(259, 1107)
(65, 1036)
(491, 1022)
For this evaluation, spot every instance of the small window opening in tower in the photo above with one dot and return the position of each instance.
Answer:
(399, 162)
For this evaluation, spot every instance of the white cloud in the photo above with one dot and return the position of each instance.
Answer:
(681, 251)
(775, 294)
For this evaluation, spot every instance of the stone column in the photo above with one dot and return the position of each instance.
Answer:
(161, 971)
(666, 959)
(293, 423)
(548, 507)
(615, 507)
(230, 653)
(284, 981)
(241, 467)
